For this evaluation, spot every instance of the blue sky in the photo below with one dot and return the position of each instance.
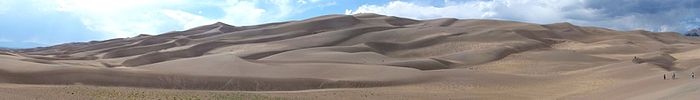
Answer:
(31, 23)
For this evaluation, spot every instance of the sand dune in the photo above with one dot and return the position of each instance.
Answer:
(392, 57)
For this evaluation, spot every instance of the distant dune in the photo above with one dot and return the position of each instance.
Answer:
(396, 58)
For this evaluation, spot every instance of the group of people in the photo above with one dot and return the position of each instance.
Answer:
(673, 76)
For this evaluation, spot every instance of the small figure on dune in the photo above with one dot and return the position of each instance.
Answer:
(692, 75)
(673, 77)
(636, 60)
(664, 76)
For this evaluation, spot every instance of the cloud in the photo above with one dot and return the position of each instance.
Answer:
(654, 15)
(236, 12)
(118, 18)
(533, 11)
(624, 7)
(125, 18)
(4, 6)
(307, 1)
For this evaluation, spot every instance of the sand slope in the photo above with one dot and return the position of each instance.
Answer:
(392, 57)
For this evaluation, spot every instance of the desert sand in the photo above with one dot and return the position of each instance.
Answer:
(363, 56)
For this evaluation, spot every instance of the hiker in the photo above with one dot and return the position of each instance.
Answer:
(673, 77)
(664, 76)
(692, 75)
(636, 60)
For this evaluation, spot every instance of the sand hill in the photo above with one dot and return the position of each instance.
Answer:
(371, 56)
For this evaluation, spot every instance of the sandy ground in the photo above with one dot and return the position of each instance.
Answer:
(360, 57)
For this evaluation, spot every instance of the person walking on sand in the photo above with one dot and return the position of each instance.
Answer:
(664, 76)
(673, 77)
(692, 75)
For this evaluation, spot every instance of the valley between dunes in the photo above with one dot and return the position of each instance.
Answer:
(363, 56)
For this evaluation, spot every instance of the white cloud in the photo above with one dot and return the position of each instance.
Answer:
(185, 18)
(4, 6)
(125, 18)
(302, 1)
(533, 11)
(237, 13)
(307, 1)
(118, 18)
(284, 8)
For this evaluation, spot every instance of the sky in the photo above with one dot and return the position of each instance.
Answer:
(33, 23)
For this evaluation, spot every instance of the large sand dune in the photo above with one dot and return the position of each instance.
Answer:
(389, 57)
